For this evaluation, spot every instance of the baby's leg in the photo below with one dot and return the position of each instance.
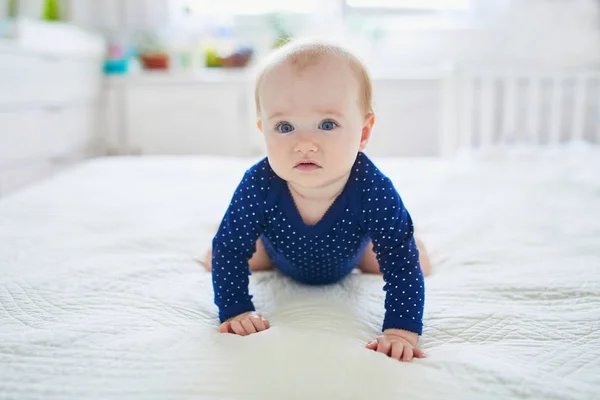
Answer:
(259, 261)
(369, 264)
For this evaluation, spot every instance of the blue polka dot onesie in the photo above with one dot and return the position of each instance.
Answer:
(369, 208)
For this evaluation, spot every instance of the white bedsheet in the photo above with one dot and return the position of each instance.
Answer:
(102, 297)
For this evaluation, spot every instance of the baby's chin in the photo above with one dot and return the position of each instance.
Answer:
(314, 181)
(308, 180)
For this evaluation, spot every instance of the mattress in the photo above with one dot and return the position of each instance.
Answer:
(102, 294)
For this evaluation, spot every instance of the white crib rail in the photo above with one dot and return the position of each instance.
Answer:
(501, 107)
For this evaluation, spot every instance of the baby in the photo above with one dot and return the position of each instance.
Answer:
(317, 207)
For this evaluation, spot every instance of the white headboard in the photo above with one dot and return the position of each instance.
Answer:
(483, 108)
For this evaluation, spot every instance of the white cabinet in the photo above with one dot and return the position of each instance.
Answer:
(32, 134)
(170, 114)
(72, 130)
(21, 139)
(28, 78)
(49, 102)
(200, 118)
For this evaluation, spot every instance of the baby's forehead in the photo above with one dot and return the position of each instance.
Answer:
(322, 74)
(299, 65)
(300, 75)
(314, 85)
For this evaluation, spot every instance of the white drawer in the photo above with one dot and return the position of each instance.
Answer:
(28, 136)
(27, 78)
(20, 78)
(22, 136)
(71, 130)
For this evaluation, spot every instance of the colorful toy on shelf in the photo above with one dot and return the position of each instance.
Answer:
(117, 61)
(51, 11)
(155, 61)
(238, 59)
(13, 9)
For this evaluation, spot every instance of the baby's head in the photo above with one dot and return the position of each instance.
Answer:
(313, 103)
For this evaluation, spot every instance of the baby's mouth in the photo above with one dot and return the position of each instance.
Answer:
(307, 165)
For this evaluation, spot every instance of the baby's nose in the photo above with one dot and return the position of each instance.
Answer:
(306, 142)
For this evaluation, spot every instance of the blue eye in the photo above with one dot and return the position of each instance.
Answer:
(328, 125)
(284, 127)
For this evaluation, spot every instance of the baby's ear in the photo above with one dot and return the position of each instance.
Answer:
(259, 124)
(369, 121)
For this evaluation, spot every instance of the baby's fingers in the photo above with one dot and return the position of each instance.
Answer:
(407, 354)
(237, 328)
(248, 326)
(225, 327)
(418, 353)
(397, 350)
(259, 324)
(384, 346)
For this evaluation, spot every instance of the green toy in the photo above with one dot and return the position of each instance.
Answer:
(51, 11)
(13, 9)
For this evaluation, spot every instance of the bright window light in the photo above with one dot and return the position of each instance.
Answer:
(412, 4)
(251, 6)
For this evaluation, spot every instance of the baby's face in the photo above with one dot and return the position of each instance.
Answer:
(313, 115)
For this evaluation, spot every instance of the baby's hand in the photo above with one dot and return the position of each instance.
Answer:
(245, 324)
(398, 344)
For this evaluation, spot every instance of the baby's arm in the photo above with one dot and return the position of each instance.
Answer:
(233, 246)
(391, 229)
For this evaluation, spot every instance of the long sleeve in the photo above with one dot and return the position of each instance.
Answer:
(235, 243)
(391, 229)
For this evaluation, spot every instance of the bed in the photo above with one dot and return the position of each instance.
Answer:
(102, 294)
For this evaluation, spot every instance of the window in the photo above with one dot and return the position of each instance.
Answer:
(411, 5)
(249, 7)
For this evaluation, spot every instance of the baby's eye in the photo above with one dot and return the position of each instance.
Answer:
(284, 127)
(328, 125)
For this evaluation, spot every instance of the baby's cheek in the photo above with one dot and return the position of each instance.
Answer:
(277, 162)
(345, 153)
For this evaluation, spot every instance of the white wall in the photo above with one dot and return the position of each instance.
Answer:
(527, 33)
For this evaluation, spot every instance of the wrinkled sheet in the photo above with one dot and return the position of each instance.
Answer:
(102, 294)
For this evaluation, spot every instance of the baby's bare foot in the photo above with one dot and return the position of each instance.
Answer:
(423, 258)
(207, 262)
(258, 262)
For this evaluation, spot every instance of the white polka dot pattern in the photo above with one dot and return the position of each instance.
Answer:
(369, 208)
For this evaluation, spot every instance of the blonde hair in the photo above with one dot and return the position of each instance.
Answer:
(304, 53)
